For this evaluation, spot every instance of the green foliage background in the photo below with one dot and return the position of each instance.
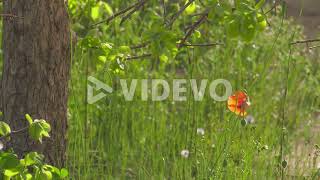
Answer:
(142, 140)
(116, 139)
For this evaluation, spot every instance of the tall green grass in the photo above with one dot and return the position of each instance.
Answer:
(117, 139)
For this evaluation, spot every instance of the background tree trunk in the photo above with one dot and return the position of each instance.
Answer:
(36, 47)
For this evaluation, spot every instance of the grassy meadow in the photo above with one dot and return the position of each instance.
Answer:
(118, 139)
(113, 138)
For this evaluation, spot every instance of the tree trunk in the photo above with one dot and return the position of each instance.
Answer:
(36, 46)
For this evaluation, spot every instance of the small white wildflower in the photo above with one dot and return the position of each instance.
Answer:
(265, 147)
(200, 131)
(318, 165)
(249, 119)
(185, 153)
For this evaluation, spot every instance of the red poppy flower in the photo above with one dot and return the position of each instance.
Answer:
(238, 103)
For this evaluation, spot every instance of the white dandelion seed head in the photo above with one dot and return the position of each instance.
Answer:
(185, 153)
(249, 119)
(200, 131)
(254, 46)
(265, 147)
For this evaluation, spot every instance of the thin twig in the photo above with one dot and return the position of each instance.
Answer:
(175, 16)
(14, 132)
(143, 45)
(179, 44)
(190, 26)
(201, 45)
(137, 7)
(138, 57)
(197, 14)
(117, 14)
(273, 7)
(305, 41)
(193, 27)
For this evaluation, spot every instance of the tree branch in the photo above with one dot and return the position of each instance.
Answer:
(143, 45)
(118, 13)
(305, 41)
(201, 45)
(136, 8)
(14, 132)
(193, 27)
(175, 16)
(179, 44)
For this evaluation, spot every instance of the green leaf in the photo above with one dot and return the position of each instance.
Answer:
(248, 28)
(47, 175)
(90, 42)
(42, 174)
(11, 172)
(52, 169)
(95, 12)
(8, 161)
(4, 129)
(31, 159)
(38, 129)
(106, 7)
(262, 22)
(28, 176)
(233, 28)
(103, 59)
(106, 47)
(164, 58)
(64, 173)
(212, 3)
(29, 119)
(56, 173)
(163, 41)
(197, 34)
(124, 49)
(191, 8)
(260, 4)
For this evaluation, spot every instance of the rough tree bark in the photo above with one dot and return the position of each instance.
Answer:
(36, 46)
